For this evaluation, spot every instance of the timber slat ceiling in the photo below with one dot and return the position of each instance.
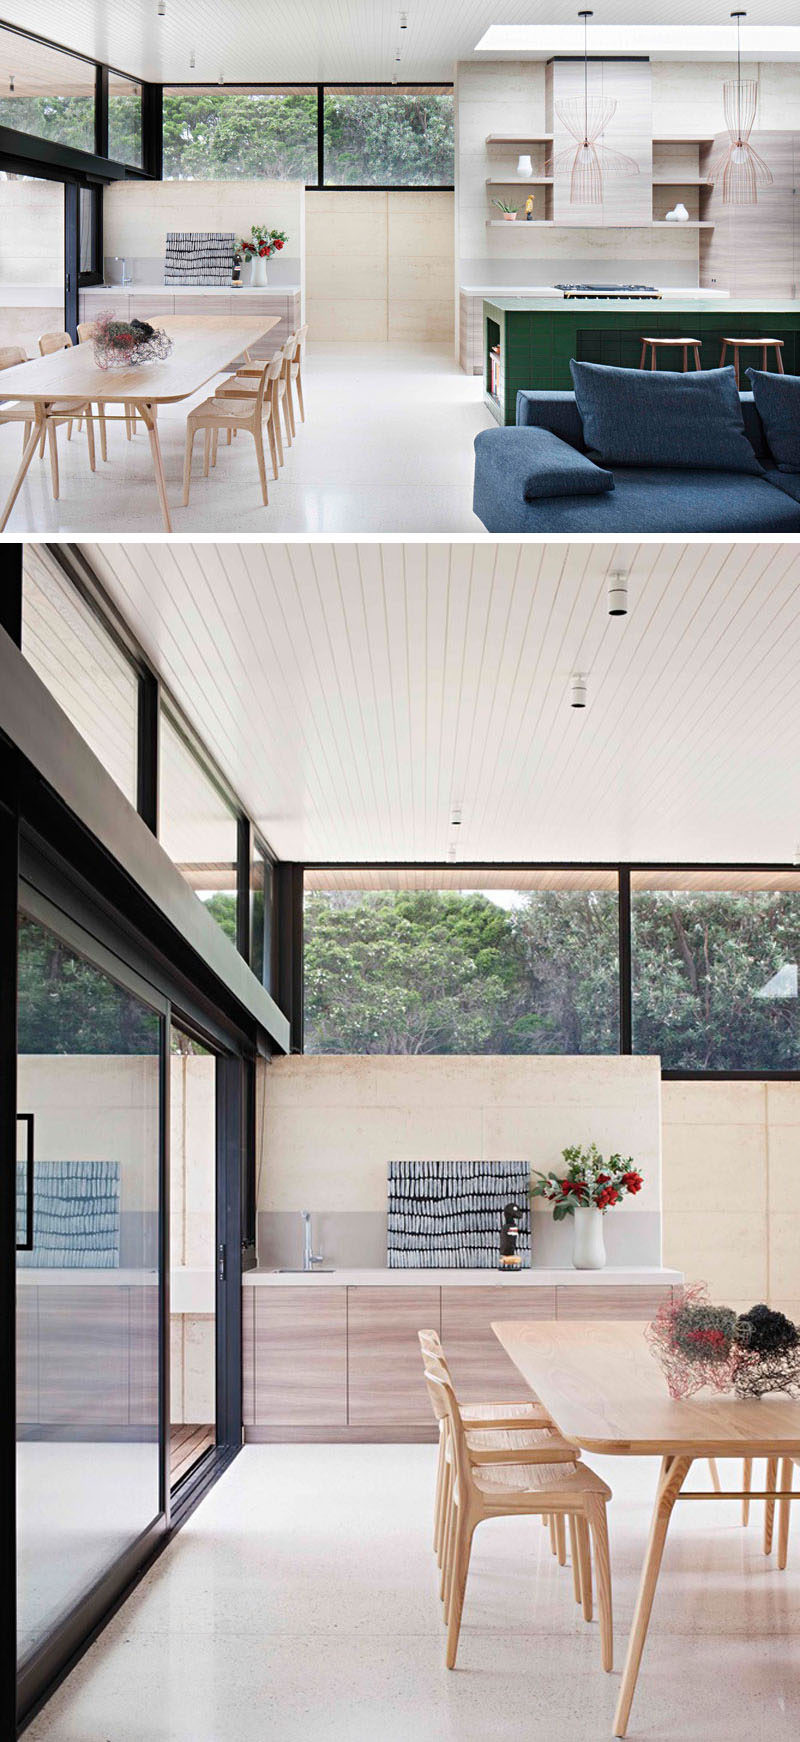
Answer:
(356, 695)
(342, 40)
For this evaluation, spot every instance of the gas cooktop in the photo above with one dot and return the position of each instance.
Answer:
(644, 291)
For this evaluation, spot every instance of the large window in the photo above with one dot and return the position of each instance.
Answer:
(262, 917)
(46, 92)
(387, 136)
(715, 969)
(82, 665)
(212, 133)
(124, 120)
(197, 826)
(461, 962)
(372, 136)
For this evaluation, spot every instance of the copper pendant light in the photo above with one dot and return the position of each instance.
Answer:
(738, 166)
(586, 119)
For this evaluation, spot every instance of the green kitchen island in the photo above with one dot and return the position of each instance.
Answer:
(537, 336)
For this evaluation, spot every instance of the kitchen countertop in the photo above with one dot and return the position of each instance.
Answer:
(523, 303)
(532, 1278)
(143, 289)
(30, 1276)
(669, 293)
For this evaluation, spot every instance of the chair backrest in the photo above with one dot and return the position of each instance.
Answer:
(85, 331)
(301, 335)
(445, 1406)
(54, 342)
(11, 354)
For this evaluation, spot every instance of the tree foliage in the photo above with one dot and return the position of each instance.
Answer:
(66, 1005)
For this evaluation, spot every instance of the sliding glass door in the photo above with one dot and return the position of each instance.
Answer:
(90, 1118)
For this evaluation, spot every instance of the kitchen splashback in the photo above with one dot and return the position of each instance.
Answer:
(447, 1214)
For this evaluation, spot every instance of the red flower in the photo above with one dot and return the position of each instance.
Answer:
(603, 1178)
(278, 242)
(607, 1197)
(632, 1181)
(566, 1186)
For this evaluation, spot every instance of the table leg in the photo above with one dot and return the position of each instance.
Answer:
(769, 1505)
(147, 413)
(673, 1475)
(784, 1505)
(38, 435)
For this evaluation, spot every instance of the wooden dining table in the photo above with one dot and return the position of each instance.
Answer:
(203, 346)
(607, 1394)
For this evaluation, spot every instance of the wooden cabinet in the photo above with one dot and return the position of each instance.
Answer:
(83, 1355)
(480, 1368)
(610, 1301)
(300, 1356)
(385, 1380)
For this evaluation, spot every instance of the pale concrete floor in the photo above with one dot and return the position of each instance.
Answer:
(300, 1602)
(386, 448)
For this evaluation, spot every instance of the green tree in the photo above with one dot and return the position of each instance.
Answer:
(222, 908)
(568, 944)
(66, 1005)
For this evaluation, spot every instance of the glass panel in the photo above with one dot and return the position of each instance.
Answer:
(46, 92)
(461, 962)
(124, 120)
(87, 208)
(240, 131)
(261, 915)
(715, 969)
(88, 1461)
(193, 1246)
(197, 827)
(82, 666)
(387, 136)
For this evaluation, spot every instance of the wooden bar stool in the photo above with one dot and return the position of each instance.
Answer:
(670, 344)
(764, 345)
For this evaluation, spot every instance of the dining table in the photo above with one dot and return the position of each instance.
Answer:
(606, 1393)
(203, 346)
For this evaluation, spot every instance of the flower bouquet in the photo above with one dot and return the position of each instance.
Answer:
(257, 248)
(590, 1187)
(128, 344)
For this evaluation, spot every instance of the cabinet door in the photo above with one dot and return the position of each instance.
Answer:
(385, 1379)
(482, 1371)
(612, 1301)
(143, 1305)
(27, 1355)
(83, 1354)
(248, 1355)
(300, 1356)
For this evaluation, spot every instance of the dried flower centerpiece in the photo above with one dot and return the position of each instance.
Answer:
(699, 1344)
(128, 344)
(590, 1187)
(767, 1353)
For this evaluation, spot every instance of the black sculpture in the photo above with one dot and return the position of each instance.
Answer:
(509, 1238)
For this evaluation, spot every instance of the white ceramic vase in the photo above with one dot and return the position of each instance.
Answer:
(588, 1251)
(258, 272)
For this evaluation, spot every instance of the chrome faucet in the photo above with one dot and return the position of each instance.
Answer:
(310, 1257)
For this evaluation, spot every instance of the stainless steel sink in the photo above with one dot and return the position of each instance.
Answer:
(297, 1270)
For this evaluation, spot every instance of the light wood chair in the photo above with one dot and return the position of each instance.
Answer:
(296, 368)
(537, 1484)
(684, 345)
(18, 410)
(48, 343)
(246, 413)
(287, 355)
(86, 331)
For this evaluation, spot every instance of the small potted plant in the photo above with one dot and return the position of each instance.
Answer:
(257, 248)
(590, 1187)
(509, 212)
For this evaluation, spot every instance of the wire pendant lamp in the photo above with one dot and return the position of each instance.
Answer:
(738, 166)
(586, 118)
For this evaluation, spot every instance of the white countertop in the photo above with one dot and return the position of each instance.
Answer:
(611, 1277)
(669, 293)
(33, 1278)
(243, 290)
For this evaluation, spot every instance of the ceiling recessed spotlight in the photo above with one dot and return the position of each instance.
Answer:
(11, 84)
(162, 8)
(796, 855)
(404, 21)
(221, 79)
(455, 817)
(578, 696)
(191, 58)
(451, 855)
(618, 593)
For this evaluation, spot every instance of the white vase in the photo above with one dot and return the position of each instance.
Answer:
(258, 271)
(524, 165)
(588, 1252)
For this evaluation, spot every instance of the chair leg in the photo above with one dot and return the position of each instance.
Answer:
(214, 446)
(43, 438)
(206, 451)
(553, 1538)
(779, 355)
(784, 1508)
(652, 356)
(448, 1529)
(697, 362)
(53, 441)
(275, 420)
(585, 1557)
(26, 435)
(769, 1506)
(736, 364)
(747, 1483)
(685, 350)
(286, 420)
(463, 1549)
(298, 381)
(452, 1541)
(437, 1498)
(714, 1473)
(187, 463)
(574, 1557)
(290, 404)
(598, 1523)
(561, 1540)
(272, 447)
(258, 438)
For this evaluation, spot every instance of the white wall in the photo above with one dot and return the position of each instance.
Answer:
(32, 233)
(137, 216)
(379, 265)
(330, 1125)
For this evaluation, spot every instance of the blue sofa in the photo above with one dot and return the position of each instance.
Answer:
(642, 500)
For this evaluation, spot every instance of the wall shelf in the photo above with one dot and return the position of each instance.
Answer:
(519, 139)
(681, 139)
(528, 181)
(552, 224)
(680, 181)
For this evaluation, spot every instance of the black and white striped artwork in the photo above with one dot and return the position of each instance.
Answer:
(447, 1214)
(199, 257)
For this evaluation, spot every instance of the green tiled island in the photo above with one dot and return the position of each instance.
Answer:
(538, 335)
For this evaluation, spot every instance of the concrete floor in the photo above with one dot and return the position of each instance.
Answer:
(300, 1602)
(386, 447)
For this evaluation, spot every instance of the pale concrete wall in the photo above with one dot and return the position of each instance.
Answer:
(31, 232)
(732, 1189)
(329, 1126)
(380, 265)
(137, 216)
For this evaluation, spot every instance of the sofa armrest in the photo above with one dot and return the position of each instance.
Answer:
(553, 409)
(533, 463)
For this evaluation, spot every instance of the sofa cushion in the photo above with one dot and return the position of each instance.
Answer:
(786, 481)
(643, 417)
(538, 464)
(777, 400)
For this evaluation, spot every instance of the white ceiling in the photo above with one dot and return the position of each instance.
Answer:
(354, 694)
(325, 39)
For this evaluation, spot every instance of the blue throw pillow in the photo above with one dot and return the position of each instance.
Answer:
(777, 400)
(644, 417)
